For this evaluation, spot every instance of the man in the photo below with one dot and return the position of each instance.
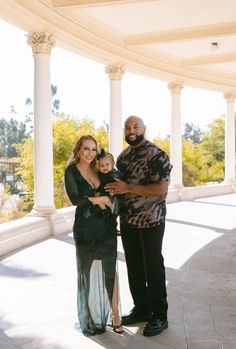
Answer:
(146, 170)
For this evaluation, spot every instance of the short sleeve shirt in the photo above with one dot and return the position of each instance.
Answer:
(144, 165)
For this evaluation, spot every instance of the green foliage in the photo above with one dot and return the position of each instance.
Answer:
(192, 133)
(86, 127)
(65, 134)
(192, 163)
(202, 153)
(26, 168)
(66, 131)
(214, 141)
(102, 138)
(202, 161)
(11, 132)
(164, 144)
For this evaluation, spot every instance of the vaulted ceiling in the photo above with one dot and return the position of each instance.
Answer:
(189, 40)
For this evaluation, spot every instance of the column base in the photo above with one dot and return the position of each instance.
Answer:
(59, 223)
(232, 182)
(183, 194)
(43, 211)
(176, 186)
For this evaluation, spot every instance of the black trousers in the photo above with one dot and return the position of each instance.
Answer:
(145, 266)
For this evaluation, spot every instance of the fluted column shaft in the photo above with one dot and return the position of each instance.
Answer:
(115, 73)
(230, 138)
(175, 135)
(41, 44)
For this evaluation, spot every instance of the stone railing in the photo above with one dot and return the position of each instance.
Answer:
(25, 231)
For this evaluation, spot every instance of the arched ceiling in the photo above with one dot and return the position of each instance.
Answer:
(189, 40)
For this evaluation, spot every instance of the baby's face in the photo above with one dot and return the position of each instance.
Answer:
(105, 164)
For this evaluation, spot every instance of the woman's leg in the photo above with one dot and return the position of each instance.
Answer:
(115, 302)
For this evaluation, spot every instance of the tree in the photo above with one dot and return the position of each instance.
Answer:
(87, 126)
(11, 132)
(66, 131)
(29, 116)
(213, 141)
(192, 163)
(102, 138)
(55, 108)
(55, 102)
(192, 133)
(190, 157)
(26, 168)
(164, 144)
(213, 150)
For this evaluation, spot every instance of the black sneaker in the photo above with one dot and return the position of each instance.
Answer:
(155, 326)
(135, 316)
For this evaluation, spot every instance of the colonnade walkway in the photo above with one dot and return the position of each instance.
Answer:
(38, 287)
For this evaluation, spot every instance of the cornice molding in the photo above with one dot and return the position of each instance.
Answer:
(80, 39)
(187, 33)
(88, 3)
(213, 59)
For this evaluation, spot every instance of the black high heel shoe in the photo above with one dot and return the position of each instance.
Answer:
(117, 328)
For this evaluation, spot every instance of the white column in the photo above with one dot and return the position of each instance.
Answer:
(115, 73)
(230, 138)
(41, 44)
(176, 136)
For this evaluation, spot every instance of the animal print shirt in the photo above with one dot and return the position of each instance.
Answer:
(143, 165)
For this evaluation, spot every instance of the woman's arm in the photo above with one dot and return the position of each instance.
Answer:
(82, 201)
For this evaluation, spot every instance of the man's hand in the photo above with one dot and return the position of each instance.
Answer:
(117, 187)
(158, 190)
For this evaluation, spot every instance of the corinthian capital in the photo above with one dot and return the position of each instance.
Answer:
(41, 42)
(175, 87)
(115, 71)
(230, 96)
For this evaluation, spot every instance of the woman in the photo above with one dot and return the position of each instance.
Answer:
(95, 241)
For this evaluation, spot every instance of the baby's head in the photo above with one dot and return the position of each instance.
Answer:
(106, 162)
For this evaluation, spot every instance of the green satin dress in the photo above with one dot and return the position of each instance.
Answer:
(95, 239)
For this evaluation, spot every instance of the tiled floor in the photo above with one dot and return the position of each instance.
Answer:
(38, 287)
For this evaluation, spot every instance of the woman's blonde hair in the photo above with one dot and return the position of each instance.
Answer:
(74, 158)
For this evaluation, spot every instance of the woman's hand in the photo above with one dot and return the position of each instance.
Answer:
(102, 201)
(106, 201)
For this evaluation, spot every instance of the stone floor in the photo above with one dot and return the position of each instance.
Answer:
(38, 287)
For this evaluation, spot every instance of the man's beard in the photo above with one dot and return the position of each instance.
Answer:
(135, 141)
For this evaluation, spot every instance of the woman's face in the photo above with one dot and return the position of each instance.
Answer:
(87, 151)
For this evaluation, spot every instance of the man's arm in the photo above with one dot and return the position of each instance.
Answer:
(158, 189)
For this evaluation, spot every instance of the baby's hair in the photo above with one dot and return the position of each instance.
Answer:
(104, 154)
(109, 155)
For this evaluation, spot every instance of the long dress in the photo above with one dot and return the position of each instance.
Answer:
(95, 239)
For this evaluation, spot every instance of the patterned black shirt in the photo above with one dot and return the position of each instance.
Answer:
(143, 165)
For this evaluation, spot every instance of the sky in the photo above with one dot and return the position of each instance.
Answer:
(83, 89)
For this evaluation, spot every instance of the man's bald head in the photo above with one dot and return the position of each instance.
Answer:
(134, 118)
(134, 130)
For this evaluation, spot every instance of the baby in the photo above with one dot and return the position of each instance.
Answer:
(107, 174)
